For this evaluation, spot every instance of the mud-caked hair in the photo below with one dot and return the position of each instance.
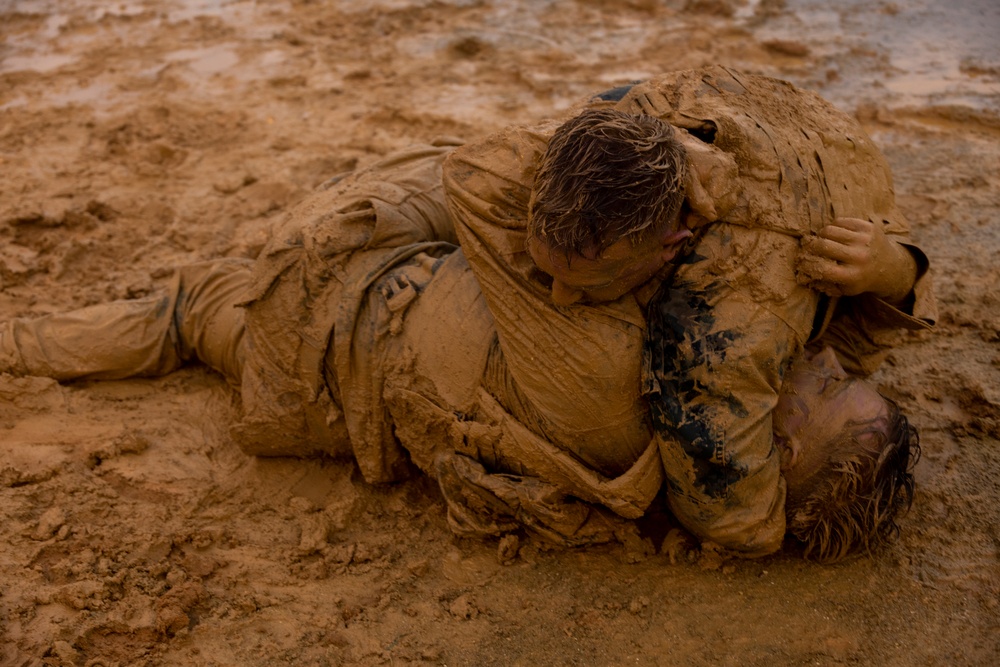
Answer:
(853, 503)
(605, 176)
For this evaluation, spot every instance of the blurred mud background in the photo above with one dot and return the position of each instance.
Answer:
(135, 136)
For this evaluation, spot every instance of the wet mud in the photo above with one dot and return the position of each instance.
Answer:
(135, 136)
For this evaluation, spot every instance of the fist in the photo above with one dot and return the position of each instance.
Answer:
(846, 258)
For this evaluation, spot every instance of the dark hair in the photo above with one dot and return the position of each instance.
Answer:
(605, 176)
(853, 505)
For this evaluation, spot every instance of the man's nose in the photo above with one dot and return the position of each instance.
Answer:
(827, 359)
(564, 295)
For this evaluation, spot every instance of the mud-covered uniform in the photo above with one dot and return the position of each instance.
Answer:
(360, 329)
(775, 163)
(277, 327)
(365, 331)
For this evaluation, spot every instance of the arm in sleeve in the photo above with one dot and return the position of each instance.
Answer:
(488, 185)
(718, 346)
(863, 329)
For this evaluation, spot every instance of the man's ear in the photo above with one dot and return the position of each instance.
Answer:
(672, 242)
(788, 455)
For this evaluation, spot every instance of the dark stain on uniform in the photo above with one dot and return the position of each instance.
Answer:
(616, 94)
(164, 304)
(679, 339)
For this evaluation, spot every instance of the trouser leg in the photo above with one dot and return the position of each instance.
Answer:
(102, 342)
(209, 325)
(196, 319)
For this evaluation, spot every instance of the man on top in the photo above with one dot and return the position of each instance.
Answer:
(775, 171)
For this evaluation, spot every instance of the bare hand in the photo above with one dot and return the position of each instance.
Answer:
(852, 256)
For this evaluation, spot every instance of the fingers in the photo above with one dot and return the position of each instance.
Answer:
(846, 236)
(834, 249)
(850, 231)
(853, 224)
(838, 260)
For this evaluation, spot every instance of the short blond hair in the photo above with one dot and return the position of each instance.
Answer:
(853, 504)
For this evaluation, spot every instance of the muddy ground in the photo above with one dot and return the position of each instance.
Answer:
(138, 135)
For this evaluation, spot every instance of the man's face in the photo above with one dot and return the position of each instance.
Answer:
(818, 402)
(618, 270)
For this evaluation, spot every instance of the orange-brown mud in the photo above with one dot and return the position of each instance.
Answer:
(138, 135)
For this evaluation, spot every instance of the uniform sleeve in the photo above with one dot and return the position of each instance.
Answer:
(488, 185)
(862, 330)
(721, 337)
